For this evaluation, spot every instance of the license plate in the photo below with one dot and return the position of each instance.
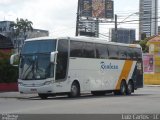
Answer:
(34, 90)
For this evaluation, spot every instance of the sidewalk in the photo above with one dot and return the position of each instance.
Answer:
(152, 85)
(16, 95)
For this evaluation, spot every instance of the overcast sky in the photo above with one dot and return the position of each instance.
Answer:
(58, 16)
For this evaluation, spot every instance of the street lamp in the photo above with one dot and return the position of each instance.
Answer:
(136, 13)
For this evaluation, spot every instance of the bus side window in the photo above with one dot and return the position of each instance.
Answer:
(130, 53)
(138, 54)
(62, 59)
(122, 52)
(89, 50)
(113, 52)
(76, 49)
(135, 56)
(101, 51)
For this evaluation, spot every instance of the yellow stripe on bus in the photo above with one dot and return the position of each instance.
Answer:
(125, 72)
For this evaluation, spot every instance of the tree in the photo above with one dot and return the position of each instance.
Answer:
(21, 26)
(143, 36)
(16, 28)
(25, 26)
(144, 46)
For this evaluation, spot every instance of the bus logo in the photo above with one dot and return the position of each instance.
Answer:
(110, 66)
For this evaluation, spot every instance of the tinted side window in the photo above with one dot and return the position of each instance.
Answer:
(113, 52)
(89, 50)
(101, 51)
(122, 52)
(138, 53)
(76, 49)
(130, 54)
(62, 59)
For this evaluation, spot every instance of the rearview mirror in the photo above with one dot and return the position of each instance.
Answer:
(14, 59)
(53, 57)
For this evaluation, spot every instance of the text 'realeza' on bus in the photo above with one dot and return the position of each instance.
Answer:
(75, 65)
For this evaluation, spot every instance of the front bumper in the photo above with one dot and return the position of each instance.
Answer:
(37, 89)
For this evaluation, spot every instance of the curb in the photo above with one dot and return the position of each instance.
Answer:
(16, 95)
(152, 85)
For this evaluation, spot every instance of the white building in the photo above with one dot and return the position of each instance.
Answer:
(5, 28)
(148, 17)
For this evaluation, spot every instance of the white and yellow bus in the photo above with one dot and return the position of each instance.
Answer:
(75, 65)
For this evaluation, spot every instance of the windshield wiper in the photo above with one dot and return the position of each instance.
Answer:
(24, 75)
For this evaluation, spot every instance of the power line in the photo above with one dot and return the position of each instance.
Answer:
(135, 20)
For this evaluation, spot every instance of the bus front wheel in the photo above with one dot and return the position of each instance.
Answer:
(123, 89)
(130, 88)
(75, 90)
(43, 96)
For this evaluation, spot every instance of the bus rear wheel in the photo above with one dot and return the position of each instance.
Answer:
(43, 96)
(75, 90)
(130, 88)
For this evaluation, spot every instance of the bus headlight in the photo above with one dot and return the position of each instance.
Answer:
(20, 83)
(48, 82)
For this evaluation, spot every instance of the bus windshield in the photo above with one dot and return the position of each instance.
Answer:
(39, 46)
(35, 60)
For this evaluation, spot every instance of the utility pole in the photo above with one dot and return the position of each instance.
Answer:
(97, 27)
(77, 22)
(116, 37)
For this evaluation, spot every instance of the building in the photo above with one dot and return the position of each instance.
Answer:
(5, 28)
(151, 62)
(124, 35)
(158, 29)
(148, 16)
(7, 31)
(37, 33)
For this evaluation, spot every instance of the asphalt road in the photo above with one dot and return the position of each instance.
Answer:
(145, 100)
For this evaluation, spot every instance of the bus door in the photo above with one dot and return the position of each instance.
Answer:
(62, 61)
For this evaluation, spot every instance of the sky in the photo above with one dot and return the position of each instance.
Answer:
(59, 16)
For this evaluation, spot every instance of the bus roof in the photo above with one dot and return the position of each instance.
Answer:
(87, 39)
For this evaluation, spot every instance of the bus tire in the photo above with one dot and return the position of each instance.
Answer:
(43, 96)
(123, 88)
(130, 87)
(116, 92)
(75, 90)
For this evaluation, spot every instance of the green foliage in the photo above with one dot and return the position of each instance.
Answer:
(21, 26)
(8, 73)
(143, 36)
(144, 46)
